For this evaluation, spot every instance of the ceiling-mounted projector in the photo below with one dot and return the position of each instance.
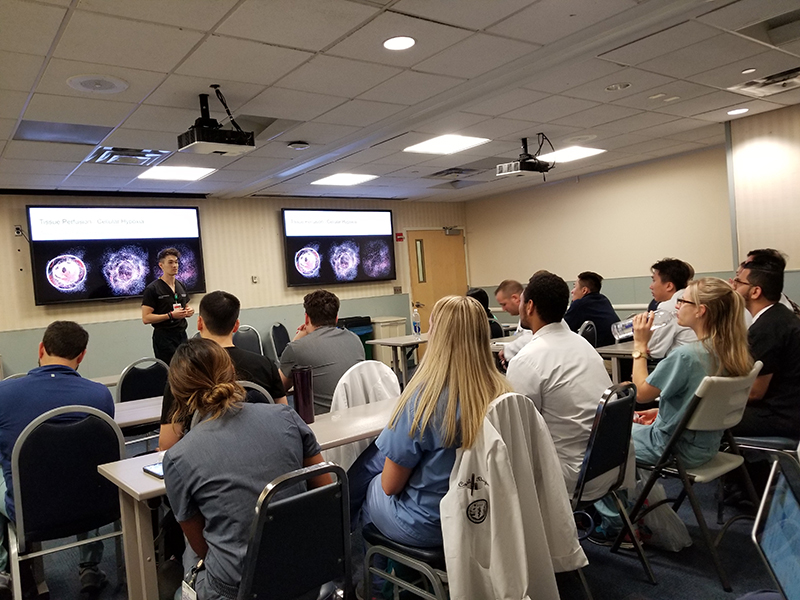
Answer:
(206, 136)
(527, 164)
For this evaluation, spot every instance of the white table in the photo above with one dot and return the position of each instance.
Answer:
(398, 345)
(108, 380)
(497, 344)
(138, 412)
(136, 487)
(615, 352)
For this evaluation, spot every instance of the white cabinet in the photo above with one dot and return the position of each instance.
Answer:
(386, 327)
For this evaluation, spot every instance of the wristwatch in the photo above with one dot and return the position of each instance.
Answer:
(638, 354)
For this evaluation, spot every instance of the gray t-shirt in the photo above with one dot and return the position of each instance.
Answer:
(221, 467)
(330, 352)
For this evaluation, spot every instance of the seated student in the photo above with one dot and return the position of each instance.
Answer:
(588, 304)
(399, 481)
(713, 311)
(670, 278)
(218, 321)
(319, 344)
(780, 259)
(561, 372)
(508, 295)
(217, 471)
(773, 408)
(495, 329)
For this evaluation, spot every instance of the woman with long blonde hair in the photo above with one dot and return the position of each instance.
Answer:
(406, 473)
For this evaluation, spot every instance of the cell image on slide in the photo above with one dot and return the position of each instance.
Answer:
(345, 258)
(125, 270)
(67, 272)
(376, 260)
(307, 261)
(187, 271)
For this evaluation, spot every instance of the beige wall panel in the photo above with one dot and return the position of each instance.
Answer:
(766, 159)
(615, 223)
(241, 238)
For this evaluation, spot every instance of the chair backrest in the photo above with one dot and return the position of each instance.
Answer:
(280, 338)
(609, 441)
(300, 542)
(248, 338)
(256, 393)
(588, 331)
(15, 376)
(57, 489)
(364, 383)
(137, 382)
(719, 402)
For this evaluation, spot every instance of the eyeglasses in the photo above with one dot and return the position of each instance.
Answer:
(737, 281)
(680, 301)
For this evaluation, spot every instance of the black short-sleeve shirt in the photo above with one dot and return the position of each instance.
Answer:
(160, 297)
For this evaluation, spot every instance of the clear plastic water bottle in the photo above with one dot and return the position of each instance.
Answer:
(623, 330)
(416, 324)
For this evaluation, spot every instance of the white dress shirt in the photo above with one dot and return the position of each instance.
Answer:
(511, 349)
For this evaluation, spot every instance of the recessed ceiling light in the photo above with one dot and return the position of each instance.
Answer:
(656, 96)
(738, 111)
(671, 99)
(615, 87)
(176, 173)
(569, 154)
(748, 71)
(298, 145)
(399, 43)
(97, 84)
(446, 144)
(344, 179)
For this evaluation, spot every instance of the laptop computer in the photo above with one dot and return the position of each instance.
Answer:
(776, 532)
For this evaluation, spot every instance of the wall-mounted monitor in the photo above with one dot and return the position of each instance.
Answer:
(81, 253)
(325, 247)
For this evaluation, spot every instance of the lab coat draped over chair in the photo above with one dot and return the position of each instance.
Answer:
(506, 520)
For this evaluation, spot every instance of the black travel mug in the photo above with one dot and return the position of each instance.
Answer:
(303, 393)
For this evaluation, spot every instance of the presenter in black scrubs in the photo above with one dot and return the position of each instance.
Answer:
(165, 307)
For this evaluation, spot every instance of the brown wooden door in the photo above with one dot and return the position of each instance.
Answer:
(438, 268)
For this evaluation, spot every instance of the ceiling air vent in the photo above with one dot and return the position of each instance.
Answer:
(126, 156)
(453, 173)
(768, 86)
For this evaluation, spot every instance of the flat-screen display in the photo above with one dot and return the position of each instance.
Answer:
(325, 247)
(83, 253)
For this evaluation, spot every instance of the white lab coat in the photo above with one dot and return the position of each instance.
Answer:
(506, 519)
(365, 382)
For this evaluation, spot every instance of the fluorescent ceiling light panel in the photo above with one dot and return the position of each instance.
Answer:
(399, 43)
(446, 144)
(176, 173)
(344, 179)
(738, 111)
(569, 154)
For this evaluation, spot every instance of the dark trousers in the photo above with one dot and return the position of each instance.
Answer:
(166, 341)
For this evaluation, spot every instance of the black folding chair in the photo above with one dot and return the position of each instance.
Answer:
(248, 338)
(256, 393)
(137, 382)
(280, 338)
(588, 331)
(299, 543)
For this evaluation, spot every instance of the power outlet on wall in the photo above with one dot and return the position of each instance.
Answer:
(18, 230)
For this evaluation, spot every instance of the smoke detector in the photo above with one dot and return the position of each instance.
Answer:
(97, 84)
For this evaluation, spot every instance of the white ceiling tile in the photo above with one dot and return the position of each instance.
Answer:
(474, 56)
(85, 111)
(110, 184)
(192, 14)
(403, 159)
(360, 113)
(754, 107)
(410, 87)
(153, 185)
(452, 123)
(11, 103)
(786, 98)
(143, 139)
(549, 129)
(351, 167)
(255, 163)
(684, 90)
(241, 60)
(640, 121)
(47, 151)
(559, 79)
(660, 43)
(8, 165)
(276, 21)
(337, 76)
(505, 102)
(290, 104)
(793, 47)
(29, 180)
(674, 128)
(650, 146)
(7, 128)
(765, 64)
(703, 56)
(204, 186)
(165, 119)
(228, 175)
(181, 91)
(496, 128)
(18, 71)
(737, 15)
(621, 141)
(493, 148)
(471, 14)
(640, 81)
(597, 116)
(376, 152)
(367, 42)
(318, 133)
(550, 109)
(549, 20)
(54, 80)
(115, 171)
(282, 151)
(695, 106)
(703, 131)
(680, 148)
(124, 43)
(28, 27)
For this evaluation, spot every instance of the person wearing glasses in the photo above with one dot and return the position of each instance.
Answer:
(773, 408)
(780, 259)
